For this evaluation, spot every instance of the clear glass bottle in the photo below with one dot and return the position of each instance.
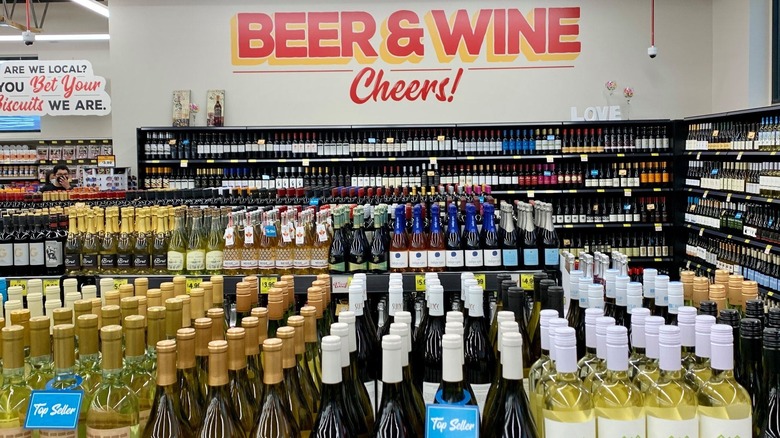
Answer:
(238, 386)
(166, 419)
(190, 397)
(394, 416)
(135, 374)
(15, 392)
(275, 416)
(219, 417)
(41, 367)
(699, 370)
(331, 418)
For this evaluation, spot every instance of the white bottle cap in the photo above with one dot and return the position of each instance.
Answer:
(14, 294)
(676, 299)
(566, 350)
(555, 324)
(331, 360)
(622, 280)
(652, 323)
(595, 296)
(467, 283)
(454, 316)
(395, 298)
(649, 276)
(436, 301)
(35, 285)
(722, 347)
(452, 358)
(669, 348)
(591, 315)
(704, 325)
(506, 327)
(617, 348)
(638, 317)
(544, 323)
(633, 296)
(401, 329)
(399, 276)
(106, 284)
(610, 276)
(513, 350)
(405, 317)
(453, 328)
(574, 284)
(602, 323)
(356, 301)
(10, 306)
(585, 283)
(428, 275)
(686, 320)
(348, 318)
(89, 292)
(70, 285)
(475, 302)
(392, 358)
(505, 315)
(35, 304)
(662, 290)
(341, 329)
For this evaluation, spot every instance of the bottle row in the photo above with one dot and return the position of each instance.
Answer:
(652, 244)
(401, 142)
(637, 174)
(735, 177)
(611, 210)
(759, 221)
(18, 172)
(740, 135)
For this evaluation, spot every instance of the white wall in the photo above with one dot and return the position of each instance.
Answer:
(66, 18)
(158, 46)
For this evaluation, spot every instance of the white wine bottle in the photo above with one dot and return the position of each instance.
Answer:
(550, 375)
(568, 407)
(724, 405)
(332, 418)
(638, 358)
(649, 373)
(65, 377)
(592, 381)
(590, 363)
(135, 375)
(619, 404)
(15, 392)
(542, 365)
(670, 403)
(700, 371)
(686, 320)
(166, 419)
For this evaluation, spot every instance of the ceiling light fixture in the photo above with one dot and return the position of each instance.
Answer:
(93, 6)
(52, 37)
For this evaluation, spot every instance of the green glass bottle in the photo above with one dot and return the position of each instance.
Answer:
(166, 420)
(15, 392)
(191, 398)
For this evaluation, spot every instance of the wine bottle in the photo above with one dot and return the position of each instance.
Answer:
(700, 370)
(177, 246)
(41, 369)
(479, 357)
(135, 375)
(159, 245)
(453, 388)
(339, 246)
(125, 242)
(219, 418)
(547, 378)
(437, 259)
(187, 386)
(568, 407)
(769, 404)
(489, 240)
(239, 390)
(686, 320)
(671, 402)
(474, 255)
(107, 260)
(573, 314)
(507, 325)
(621, 314)
(65, 375)
(542, 365)
(418, 242)
(312, 355)
(661, 299)
(590, 363)
(358, 421)
(638, 357)
(359, 249)
(395, 303)
(454, 258)
(114, 407)
(412, 399)
(648, 373)
(593, 380)
(73, 244)
(509, 254)
(215, 245)
(142, 247)
(750, 365)
(366, 347)
(516, 297)
(724, 405)
(379, 255)
(512, 415)
(15, 392)
(166, 418)
(648, 282)
(331, 418)
(528, 244)
(88, 365)
(428, 344)
(394, 416)
(399, 245)
(309, 389)
(541, 285)
(299, 406)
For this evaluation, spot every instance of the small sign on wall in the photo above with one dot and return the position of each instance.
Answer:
(596, 113)
(181, 107)
(215, 115)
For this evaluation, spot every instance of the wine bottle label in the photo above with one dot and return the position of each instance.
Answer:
(120, 432)
(53, 253)
(251, 263)
(141, 260)
(322, 264)
(124, 260)
(474, 258)
(214, 260)
(284, 263)
(399, 259)
(230, 237)
(44, 433)
(492, 257)
(89, 261)
(585, 429)
(36, 254)
(196, 260)
(429, 391)
(481, 392)
(454, 259)
(551, 256)
(107, 260)
(337, 267)
(72, 261)
(531, 257)
(175, 261)
(143, 418)
(711, 427)
(21, 254)
(14, 432)
(436, 258)
(418, 259)
(510, 257)
(301, 263)
(627, 428)
(160, 261)
(6, 254)
(663, 428)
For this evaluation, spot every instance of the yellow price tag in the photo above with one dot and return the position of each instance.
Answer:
(527, 281)
(419, 282)
(305, 162)
(531, 194)
(768, 249)
(208, 161)
(480, 280)
(266, 283)
(599, 225)
(584, 158)
(549, 158)
(341, 307)
(184, 163)
(192, 283)
(625, 225)
(119, 282)
(20, 283)
(621, 155)
(51, 282)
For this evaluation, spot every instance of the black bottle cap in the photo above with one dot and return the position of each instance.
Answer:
(754, 308)
(773, 317)
(729, 316)
(772, 339)
(708, 308)
(553, 299)
(750, 328)
(504, 290)
(515, 301)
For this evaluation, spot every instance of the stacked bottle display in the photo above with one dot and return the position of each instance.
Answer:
(751, 178)
(32, 243)
(638, 209)
(161, 144)
(744, 135)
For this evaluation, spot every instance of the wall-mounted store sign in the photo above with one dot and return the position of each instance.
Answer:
(405, 55)
(55, 88)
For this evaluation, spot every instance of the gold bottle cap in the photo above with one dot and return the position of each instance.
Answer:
(111, 298)
(87, 327)
(252, 344)
(196, 303)
(13, 348)
(63, 315)
(217, 279)
(287, 335)
(166, 290)
(155, 325)
(217, 290)
(64, 346)
(243, 297)
(141, 300)
(275, 307)
(202, 336)
(81, 307)
(126, 291)
(97, 309)
(173, 312)
(179, 285)
(112, 315)
(217, 316)
(166, 363)
(280, 288)
(21, 317)
(111, 341)
(134, 336)
(128, 306)
(309, 323)
(218, 351)
(236, 346)
(141, 286)
(261, 313)
(154, 297)
(272, 361)
(186, 314)
(185, 348)
(315, 300)
(297, 323)
(40, 341)
(208, 299)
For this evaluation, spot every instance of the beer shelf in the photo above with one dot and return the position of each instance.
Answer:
(728, 196)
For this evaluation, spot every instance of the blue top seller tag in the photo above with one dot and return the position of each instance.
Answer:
(52, 409)
(451, 421)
